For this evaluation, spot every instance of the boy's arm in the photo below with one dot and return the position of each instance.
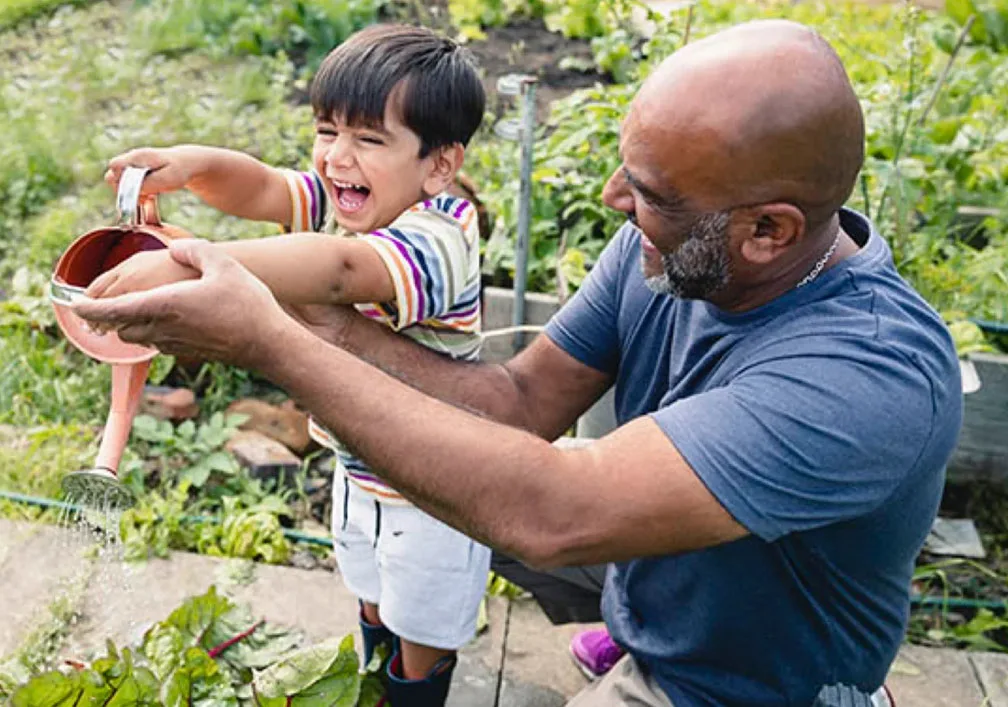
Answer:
(302, 268)
(314, 268)
(230, 181)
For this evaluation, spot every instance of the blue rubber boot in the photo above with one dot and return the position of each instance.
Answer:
(375, 635)
(431, 691)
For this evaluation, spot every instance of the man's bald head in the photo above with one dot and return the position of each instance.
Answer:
(758, 113)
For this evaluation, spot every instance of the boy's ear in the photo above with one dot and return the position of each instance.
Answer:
(446, 161)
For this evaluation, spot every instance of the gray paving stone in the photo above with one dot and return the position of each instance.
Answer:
(474, 683)
(934, 677)
(992, 670)
(37, 564)
(537, 667)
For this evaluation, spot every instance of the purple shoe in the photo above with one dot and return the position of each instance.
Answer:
(595, 652)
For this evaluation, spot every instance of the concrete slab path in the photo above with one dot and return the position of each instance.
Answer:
(521, 660)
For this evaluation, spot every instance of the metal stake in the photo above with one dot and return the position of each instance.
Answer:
(523, 85)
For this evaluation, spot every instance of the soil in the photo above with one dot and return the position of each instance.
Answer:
(527, 47)
(524, 46)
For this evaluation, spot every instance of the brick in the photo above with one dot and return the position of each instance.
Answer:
(284, 423)
(167, 403)
(264, 457)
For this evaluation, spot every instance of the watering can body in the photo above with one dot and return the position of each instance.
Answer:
(90, 255)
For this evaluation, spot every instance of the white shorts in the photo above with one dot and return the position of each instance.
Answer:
(427, 578)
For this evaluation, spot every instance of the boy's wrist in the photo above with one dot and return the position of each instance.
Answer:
(194, 161)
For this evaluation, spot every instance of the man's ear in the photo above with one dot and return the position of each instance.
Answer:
(445, 163)
(773, 228)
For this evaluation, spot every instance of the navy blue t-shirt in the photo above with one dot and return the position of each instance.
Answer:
(822, 421)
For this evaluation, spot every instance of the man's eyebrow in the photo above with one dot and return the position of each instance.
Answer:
(670, 201)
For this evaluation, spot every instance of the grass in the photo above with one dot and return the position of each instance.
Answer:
(78, 90)
(13, 12)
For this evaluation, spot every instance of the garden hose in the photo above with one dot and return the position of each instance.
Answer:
(298, 536)
(289, 533)
(992, 327)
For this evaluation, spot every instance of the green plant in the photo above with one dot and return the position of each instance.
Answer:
(571, 18)
(990, 24)
(13, 12)
(613, 54)
(210, 651)
(305, 29)
(192, 453)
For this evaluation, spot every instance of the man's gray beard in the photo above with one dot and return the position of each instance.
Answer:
(700, 267)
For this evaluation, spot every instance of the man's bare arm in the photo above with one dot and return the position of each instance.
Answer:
(542, 389)
(630, 494)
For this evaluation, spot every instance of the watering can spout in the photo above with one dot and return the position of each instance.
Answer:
(88, 257)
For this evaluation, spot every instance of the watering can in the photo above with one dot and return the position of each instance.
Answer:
(97, 251)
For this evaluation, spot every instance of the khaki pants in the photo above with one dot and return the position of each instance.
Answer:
(623, 686)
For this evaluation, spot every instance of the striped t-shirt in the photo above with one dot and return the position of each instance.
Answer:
(432, 253)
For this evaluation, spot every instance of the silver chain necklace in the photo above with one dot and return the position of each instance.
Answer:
(822, 262)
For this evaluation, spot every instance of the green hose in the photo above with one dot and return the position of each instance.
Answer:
(298, 536)
(991, 327)
(290, 534)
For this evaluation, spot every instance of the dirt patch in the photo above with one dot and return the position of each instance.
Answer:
(523, 46)
(526, 46)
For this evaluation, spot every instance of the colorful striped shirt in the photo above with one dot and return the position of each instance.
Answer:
(432, 253)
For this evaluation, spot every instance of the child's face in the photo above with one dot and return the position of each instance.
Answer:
(374, 173)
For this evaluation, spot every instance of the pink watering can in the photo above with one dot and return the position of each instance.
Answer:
(89, 256)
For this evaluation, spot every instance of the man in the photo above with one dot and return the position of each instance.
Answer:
(787, 403)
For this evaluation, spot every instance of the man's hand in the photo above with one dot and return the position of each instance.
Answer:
(225, 315)
(142, 271)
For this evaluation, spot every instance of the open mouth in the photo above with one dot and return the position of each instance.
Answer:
(351, 197)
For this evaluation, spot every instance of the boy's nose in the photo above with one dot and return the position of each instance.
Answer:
(339, 153)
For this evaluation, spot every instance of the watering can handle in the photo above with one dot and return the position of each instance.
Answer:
(128, 202)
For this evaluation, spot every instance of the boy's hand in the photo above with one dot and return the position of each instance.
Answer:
(171, 168)
(143, 271)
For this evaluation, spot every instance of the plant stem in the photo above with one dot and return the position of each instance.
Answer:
(217, 650)
(943, 77)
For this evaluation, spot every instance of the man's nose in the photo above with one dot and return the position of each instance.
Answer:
(616, 193)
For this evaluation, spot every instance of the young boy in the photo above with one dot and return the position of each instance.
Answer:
(394, 109)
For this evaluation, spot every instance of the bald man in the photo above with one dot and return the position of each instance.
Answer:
(786, 402)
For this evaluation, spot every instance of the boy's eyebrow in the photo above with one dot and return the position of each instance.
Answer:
(375, 127)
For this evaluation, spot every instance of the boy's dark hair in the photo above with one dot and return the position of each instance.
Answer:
(441, 98)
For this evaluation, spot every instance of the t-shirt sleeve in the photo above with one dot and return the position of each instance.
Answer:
(586, 327)
(309, 202)
(428, 256)
(799, 442)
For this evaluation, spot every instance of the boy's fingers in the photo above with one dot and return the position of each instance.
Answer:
(100, 284)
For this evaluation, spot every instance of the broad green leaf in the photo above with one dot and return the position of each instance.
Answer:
(340, 689)
(163, 645)
(302, 669)
(220, 461)
(53, 689)
(198, 682)
(960, 10)
(187, 430)
(197, 617)
(197, 475)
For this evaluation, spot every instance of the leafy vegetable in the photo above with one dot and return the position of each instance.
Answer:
(210, 653)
